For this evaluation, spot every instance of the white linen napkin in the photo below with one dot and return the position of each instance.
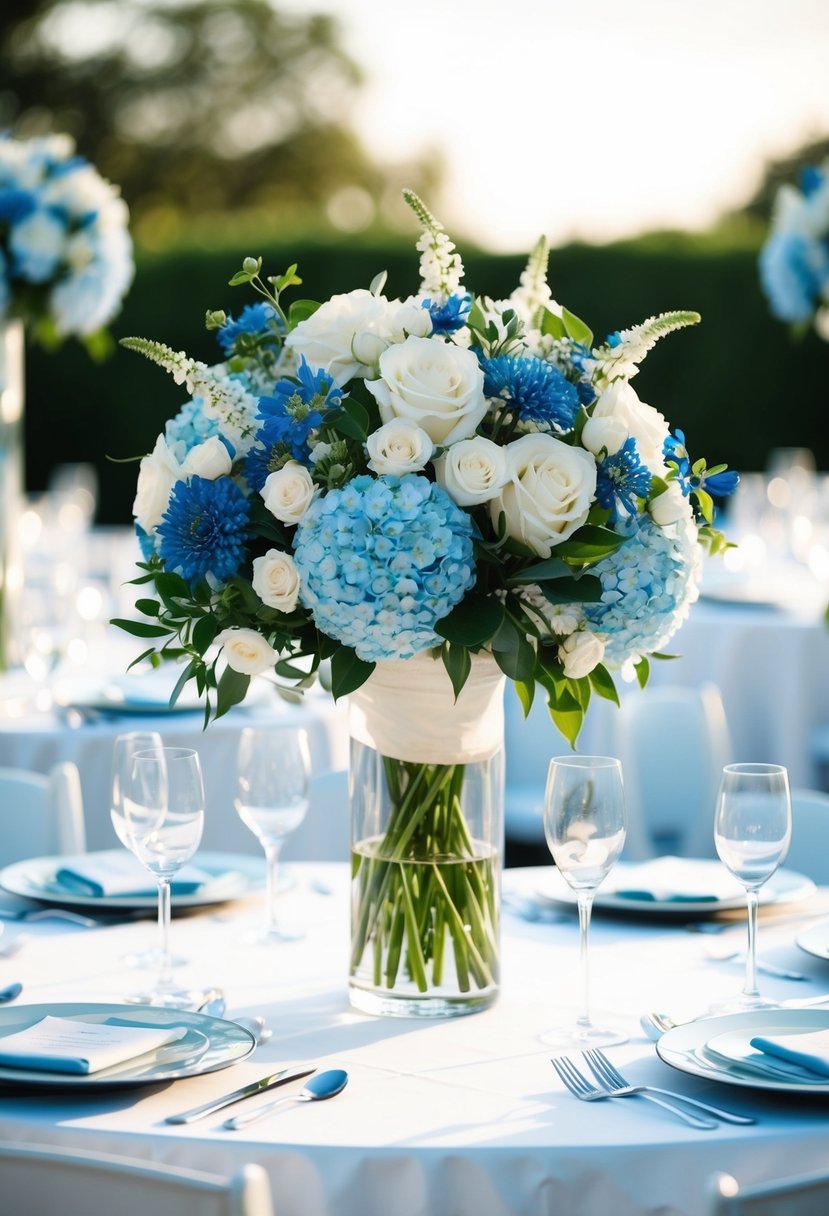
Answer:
(117, 872)
(66, 1045)
(679, 879)
(809, 1050)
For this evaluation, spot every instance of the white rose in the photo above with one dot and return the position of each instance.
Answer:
(472, 471)
(157, 474)
(276, 580)
(288, 492)
(580, 653)
(670, 506)
(209, 459)
(604, 433)
(433, 383)
(642, 421)
(398, 447)
(406, 319)
(246, 651)
(549, 491)
(327, 338)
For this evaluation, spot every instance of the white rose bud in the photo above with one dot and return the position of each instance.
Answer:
(434, 384)
(209, 459)
(398, 447)
(246, 651)
(636, 418)
(670, 506)
(580, 653)
(409, 318)
(327, 338)
(288, 492)
(157, 474)
(603, 433)
(472, 471)
(276, 580)
(549, 491)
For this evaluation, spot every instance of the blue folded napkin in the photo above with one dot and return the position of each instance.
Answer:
(809, 1049)
(675, 880)
(116, 872)
(73, 1046)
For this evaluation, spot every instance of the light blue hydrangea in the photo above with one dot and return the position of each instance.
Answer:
(381, 561)
(793, 272)
(190, 427)
(648, 585)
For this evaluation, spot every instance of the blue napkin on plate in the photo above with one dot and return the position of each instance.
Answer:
(114, 872)
(809, 1049)
(675, 880)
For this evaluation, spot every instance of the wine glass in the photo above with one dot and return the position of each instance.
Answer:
(752, 831)
(584, 822)
(162, 819)
(271, 800)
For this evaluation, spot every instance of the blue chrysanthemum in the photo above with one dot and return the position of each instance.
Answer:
(190, 427)
(534, 390)
(621, 478)
(648, 585)
(307, 390)
(16, 204)
(145, 543)
(793, 270)
(255, 320)
(451, 315)
(290, 415)
(203, 529)
(381, 561)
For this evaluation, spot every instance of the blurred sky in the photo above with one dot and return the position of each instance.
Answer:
(590, 119)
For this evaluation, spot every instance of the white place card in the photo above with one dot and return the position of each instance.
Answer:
(67, 1045)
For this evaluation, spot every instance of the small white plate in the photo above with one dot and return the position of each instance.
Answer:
(815, 939)
(232, 876)
(784, 886)
(208, 1045)
(688, 1049)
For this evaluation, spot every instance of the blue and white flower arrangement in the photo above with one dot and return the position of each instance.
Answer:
(374, 478)
(794, 261)
(66, 257)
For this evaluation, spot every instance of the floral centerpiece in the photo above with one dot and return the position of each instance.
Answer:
(794, 261)
(430, 495)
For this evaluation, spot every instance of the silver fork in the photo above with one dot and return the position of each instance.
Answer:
(581, 1088)
(606, 1074)
(27, 914)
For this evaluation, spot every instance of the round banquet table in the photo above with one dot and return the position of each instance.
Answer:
(459, 1117)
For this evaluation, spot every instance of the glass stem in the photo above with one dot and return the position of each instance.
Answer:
(272, 852)
(750, 987)
(165, 963)
(585, 902)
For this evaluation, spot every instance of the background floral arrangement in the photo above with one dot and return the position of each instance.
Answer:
(65, 251)
(371, 478)
(794, 261)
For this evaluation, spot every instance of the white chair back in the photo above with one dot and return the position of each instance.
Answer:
(46, 1181)
(40, 815)
(809, 851)
(804, 1195)
(324, 833)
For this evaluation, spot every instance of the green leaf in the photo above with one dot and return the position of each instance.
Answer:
(353, 421)
(145, 654)
(139, 630)
(590, 544)
(301, 310)
(538, 572)
(553, 325)
(148, 607)
(602, 683)
(526, 694)
(458, 664)
(576, 328)
(706, 504)
(584, 590)
(473, 621)
(170, 586)
(231, 690)
(569, 722)
(186, 674)
(643, 671)
(348, 672)
(204, 632)
(663, 657)
(514, 653)
(241, 276)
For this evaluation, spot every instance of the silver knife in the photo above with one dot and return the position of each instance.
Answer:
(256, 1087)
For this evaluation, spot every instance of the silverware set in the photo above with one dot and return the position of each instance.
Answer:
(607, 1082)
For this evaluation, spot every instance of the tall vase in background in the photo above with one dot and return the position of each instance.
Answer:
(427, 823)
(11, 479)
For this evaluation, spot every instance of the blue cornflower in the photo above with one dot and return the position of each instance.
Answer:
(676, 453)
(307, 389)
(721, 484)
(256, 320)
(811, 180)
(451, 315)
(621, 478)
(534, 390)
(203, 529)
(273, 447)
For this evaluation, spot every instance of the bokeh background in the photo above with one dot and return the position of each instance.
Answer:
(645, 140)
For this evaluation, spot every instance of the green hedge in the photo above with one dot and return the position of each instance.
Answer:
(738, 385)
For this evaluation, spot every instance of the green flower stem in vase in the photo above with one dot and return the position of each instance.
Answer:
(426, 841)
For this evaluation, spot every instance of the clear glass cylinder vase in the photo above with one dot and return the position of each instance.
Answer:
(11, 481)
(427, 825)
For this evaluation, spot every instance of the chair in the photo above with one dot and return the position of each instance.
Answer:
(673, 743)
(38, 1181)
(803, 1195)
(809, 851)
(324, 834)
(41, 815)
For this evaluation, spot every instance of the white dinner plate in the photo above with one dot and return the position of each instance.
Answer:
(815, 939)
(141, 694)
(784, 886)
(687, 1048)
(208, 1045)
(232, 875)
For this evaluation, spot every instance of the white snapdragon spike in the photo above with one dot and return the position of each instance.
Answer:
(534, 293)
(276, 580)
(472, 471)
(621, 361)
(549, 491)
(157, 474)
(434, 384)
(287, 493)
(399, 447)
(441, 268)
(246, 651)
(580, 653)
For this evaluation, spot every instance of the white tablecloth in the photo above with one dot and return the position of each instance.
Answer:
(462, 1117)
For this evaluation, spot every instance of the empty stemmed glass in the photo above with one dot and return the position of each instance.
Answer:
(752, 832)
(271, 800)
(584, 822)
(162, 808)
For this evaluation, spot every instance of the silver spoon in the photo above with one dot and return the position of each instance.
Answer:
(215, 1006)
(655, 1024)
(323, 1085)
(10, 992)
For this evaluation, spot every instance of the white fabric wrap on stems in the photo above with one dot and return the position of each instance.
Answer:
(407, 710)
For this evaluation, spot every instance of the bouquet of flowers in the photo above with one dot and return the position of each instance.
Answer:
(794, 261)
(65, 250)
